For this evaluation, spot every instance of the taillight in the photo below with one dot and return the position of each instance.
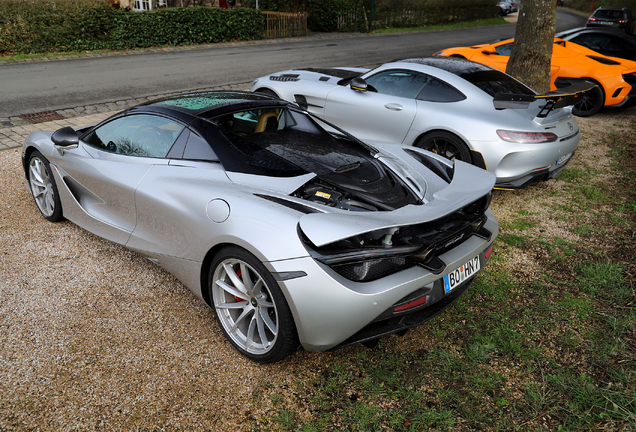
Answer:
(526, 137)
(412, 304)
(488, 252)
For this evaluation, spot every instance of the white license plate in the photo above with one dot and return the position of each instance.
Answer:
(563, 159)
(458, 276)
(607, 22)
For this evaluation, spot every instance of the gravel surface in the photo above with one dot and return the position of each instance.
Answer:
(95, 337)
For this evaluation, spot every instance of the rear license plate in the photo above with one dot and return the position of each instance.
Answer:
(458, 276)
(563, 159)
(607, 22)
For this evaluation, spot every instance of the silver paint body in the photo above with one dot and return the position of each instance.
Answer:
(379, 118)
(175, 212)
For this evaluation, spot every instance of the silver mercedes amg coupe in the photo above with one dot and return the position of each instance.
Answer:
(454, 107)
(293, 231)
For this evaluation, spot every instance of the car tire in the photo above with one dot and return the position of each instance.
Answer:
(267, 92)
(445, 144)
(592, 101)
(43, 187)
(250, 307)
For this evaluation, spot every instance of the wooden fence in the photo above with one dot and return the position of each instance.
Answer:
(280, 24)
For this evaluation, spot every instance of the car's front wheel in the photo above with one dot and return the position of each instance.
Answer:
(43, 188)
(250, 307)
(591, 102)
(445, 144)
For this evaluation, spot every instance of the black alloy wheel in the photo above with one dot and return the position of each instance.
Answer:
(591, 102)
(445, 144)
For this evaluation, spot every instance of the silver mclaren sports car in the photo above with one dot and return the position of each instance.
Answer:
(293, 231)
(454, 107)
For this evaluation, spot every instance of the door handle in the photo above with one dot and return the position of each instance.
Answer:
(394, 107)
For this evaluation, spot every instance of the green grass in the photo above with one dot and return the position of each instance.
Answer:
(50, 55)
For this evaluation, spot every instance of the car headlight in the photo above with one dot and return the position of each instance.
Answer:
(439, 53)
(527, 137)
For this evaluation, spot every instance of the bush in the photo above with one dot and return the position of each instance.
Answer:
(415, 13)
(38, 26)
(28, 26)
(183, 26)
(353, 15)
(324, 14)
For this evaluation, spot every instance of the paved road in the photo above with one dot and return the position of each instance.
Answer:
(57, 85)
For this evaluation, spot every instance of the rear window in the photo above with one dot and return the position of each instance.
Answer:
(493, 81)
(609, 14)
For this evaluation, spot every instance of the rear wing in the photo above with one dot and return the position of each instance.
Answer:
(562, 97)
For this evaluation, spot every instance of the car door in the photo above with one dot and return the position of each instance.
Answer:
(104, 171)
(383, 113)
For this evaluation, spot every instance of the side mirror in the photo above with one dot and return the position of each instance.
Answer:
(65, 137)
(358, 84)
(488, 50)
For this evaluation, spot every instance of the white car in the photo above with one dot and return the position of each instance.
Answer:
(454, 107)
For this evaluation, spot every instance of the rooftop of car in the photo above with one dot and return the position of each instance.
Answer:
(454, 65)
(209, 104)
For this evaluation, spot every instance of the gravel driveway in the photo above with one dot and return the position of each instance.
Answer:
(95, 337)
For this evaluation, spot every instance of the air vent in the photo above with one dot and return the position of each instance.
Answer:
(284, 78)
(604, 60)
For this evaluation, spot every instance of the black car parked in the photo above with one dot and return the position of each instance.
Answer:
(606, 41)
(616, 17)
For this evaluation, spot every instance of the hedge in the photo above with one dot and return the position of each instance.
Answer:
(28, 26)
(328, 15)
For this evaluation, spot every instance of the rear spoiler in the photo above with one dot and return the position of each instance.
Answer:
(562, 97)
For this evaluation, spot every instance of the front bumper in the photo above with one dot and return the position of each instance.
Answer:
(331, 311)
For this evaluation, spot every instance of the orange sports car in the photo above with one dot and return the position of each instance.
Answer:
(571, 63)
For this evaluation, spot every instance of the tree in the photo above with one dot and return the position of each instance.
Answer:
(532, 51)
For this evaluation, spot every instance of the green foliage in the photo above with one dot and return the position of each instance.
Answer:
(183, 26)
(38, 26)
(77, 25)
(324, 14)
(414, 13)
(277, 5)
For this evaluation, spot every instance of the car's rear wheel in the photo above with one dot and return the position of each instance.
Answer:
(591, 102)
(43, 188)
(267, 92)
(250, 307)
(445, 144)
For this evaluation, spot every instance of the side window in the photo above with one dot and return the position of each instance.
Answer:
(504, 49)
(401, 83)
(616, 44)
(593, 42)
(142, 135)
(437, 90)
(252, 121)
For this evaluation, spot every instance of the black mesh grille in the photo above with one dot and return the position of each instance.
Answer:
(373, 269)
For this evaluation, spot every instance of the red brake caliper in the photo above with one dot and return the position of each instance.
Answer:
(238, 299)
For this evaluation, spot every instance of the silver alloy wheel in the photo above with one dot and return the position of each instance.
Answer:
(41, 186)
(244, 306)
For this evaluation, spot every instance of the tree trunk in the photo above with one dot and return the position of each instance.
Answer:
(530, 58)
